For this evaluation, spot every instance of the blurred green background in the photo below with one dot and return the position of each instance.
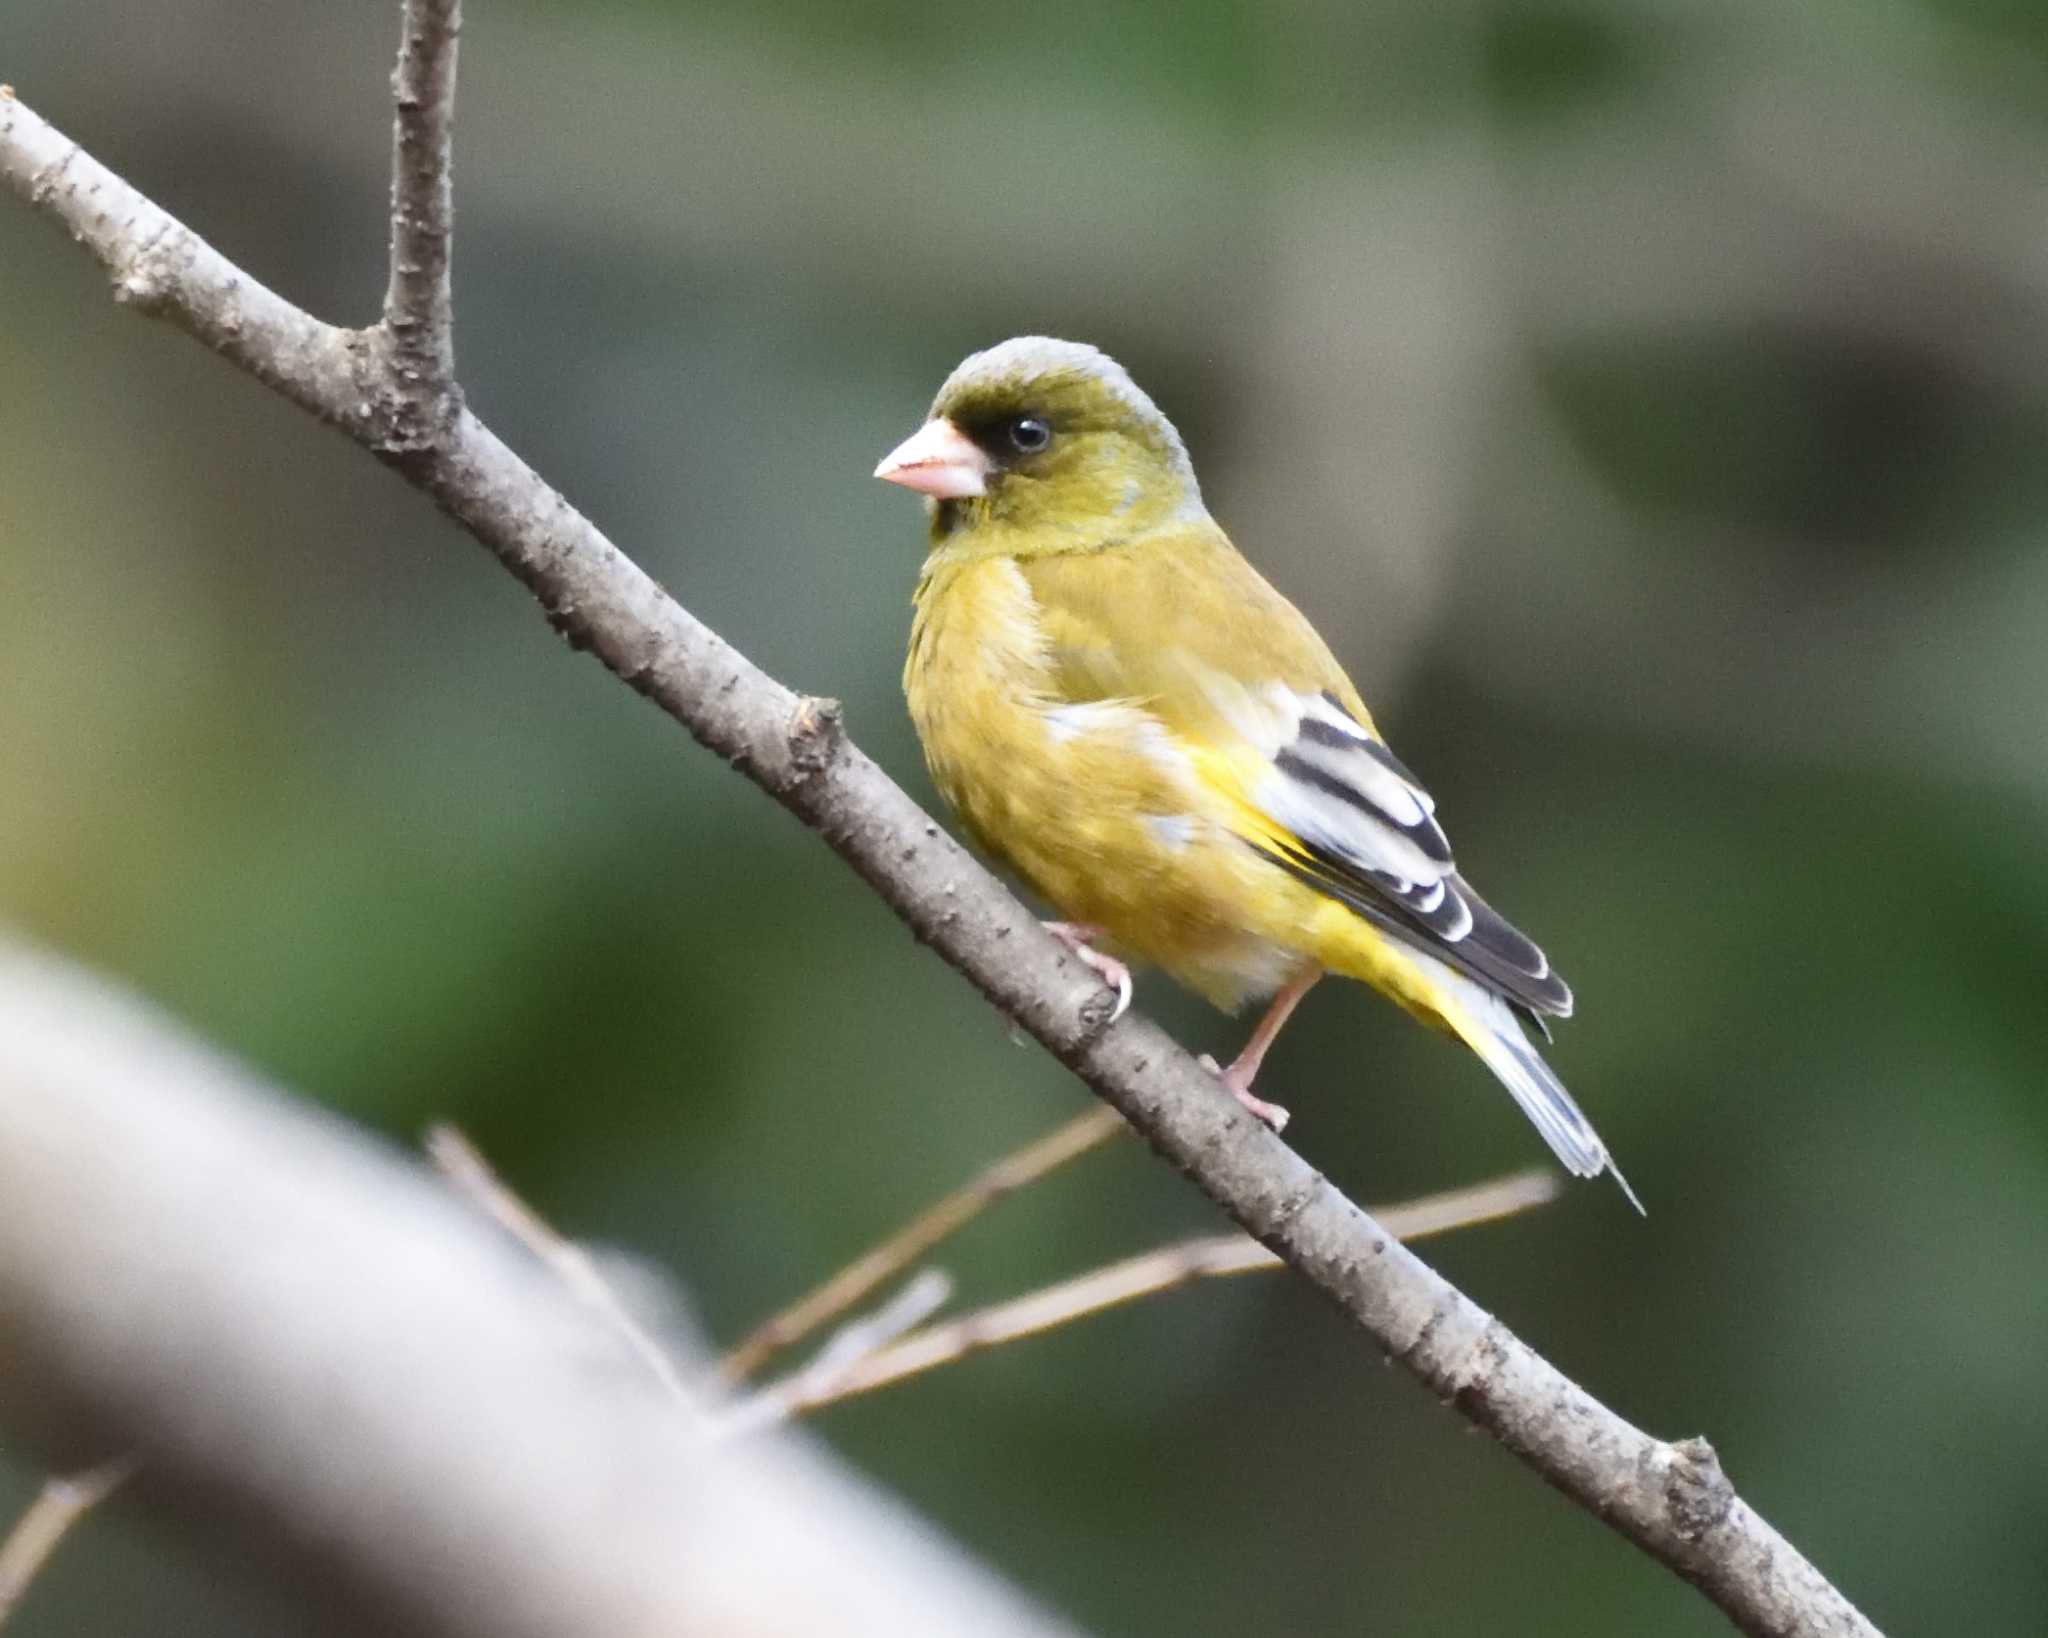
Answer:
(1648, 401)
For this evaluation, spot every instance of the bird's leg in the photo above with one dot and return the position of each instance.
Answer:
(1245, 1066)
(1078, 936)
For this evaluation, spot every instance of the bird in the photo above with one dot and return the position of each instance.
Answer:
(1120, 707)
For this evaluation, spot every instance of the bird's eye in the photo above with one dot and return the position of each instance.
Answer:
(1028, 434)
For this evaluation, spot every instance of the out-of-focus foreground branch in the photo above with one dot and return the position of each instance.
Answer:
(280, 1317)
(1673, 1500)
(59, 1507)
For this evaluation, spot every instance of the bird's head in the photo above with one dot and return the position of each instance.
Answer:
(1041, 446)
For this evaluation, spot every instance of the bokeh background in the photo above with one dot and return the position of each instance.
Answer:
(1647, 399)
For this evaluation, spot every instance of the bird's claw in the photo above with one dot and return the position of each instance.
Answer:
(1271, 1113)
(1105, 967)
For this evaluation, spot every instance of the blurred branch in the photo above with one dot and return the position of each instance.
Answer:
(1673, 1500)
(458, 1160)
(885, 1347)
(1114, 1285)
(845, 1357)
(909, 1244)
(52, 1516)
(421, 1428)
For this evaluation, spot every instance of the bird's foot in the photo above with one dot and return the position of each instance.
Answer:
(1075, 935)
(1239, 1086)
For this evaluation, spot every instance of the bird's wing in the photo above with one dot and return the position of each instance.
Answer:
(1183, 626)
(1346, 817)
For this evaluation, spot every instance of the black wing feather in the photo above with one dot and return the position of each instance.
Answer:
(1493, 952)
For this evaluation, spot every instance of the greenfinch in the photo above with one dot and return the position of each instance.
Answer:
(1119, 706)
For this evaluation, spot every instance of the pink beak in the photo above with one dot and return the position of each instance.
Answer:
(937, 460)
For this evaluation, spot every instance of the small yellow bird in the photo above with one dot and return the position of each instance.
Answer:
(1121, 707)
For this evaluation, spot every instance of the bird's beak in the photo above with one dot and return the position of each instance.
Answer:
(937, 460)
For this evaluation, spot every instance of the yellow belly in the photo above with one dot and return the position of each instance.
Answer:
(1093, 803)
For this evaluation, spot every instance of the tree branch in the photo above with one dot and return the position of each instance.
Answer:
(419, 306)
(458, 1160)
(42, 1527)
(1115, 1284)
(396, 1403)
(894, 1343)
(937, 1222)
(1673, 1500)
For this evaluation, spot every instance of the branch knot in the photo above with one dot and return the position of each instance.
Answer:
(815, 734)
(143, 281)
(1695, 1489)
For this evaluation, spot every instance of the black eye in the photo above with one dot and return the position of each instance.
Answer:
(1028, 434)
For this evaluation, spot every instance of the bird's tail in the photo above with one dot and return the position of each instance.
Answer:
(1488, 1025)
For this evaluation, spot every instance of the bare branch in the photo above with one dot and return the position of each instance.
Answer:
(52, 1516)
(1116, 1284)
(920, 1298)
(910, 1243)
(419, 308)
(403, 1407)
(885, 1347)
(160, 267)
(458, 1160)
(1673, 1500)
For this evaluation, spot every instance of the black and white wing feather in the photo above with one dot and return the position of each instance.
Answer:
(1367, 835)
(1352, 822)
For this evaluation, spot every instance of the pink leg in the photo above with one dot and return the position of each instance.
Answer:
(1077, 937)
(1245, 1066)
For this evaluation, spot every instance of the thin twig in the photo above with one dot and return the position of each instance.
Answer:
(52, 1516)
(842, 1358)
(460, 1162)
(1146, 1275)
(419, 304)
(1671, 1499)
(472, 1176)
(910, 1243)
(920, 1298)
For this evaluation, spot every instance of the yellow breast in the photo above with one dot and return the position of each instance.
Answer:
(1094, 802)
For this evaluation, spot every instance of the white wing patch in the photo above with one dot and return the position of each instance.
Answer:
(1138, 728)
(1347, 797)
(1173, 831)
(1323, 729)
(1369, 838)
(1017, 634)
